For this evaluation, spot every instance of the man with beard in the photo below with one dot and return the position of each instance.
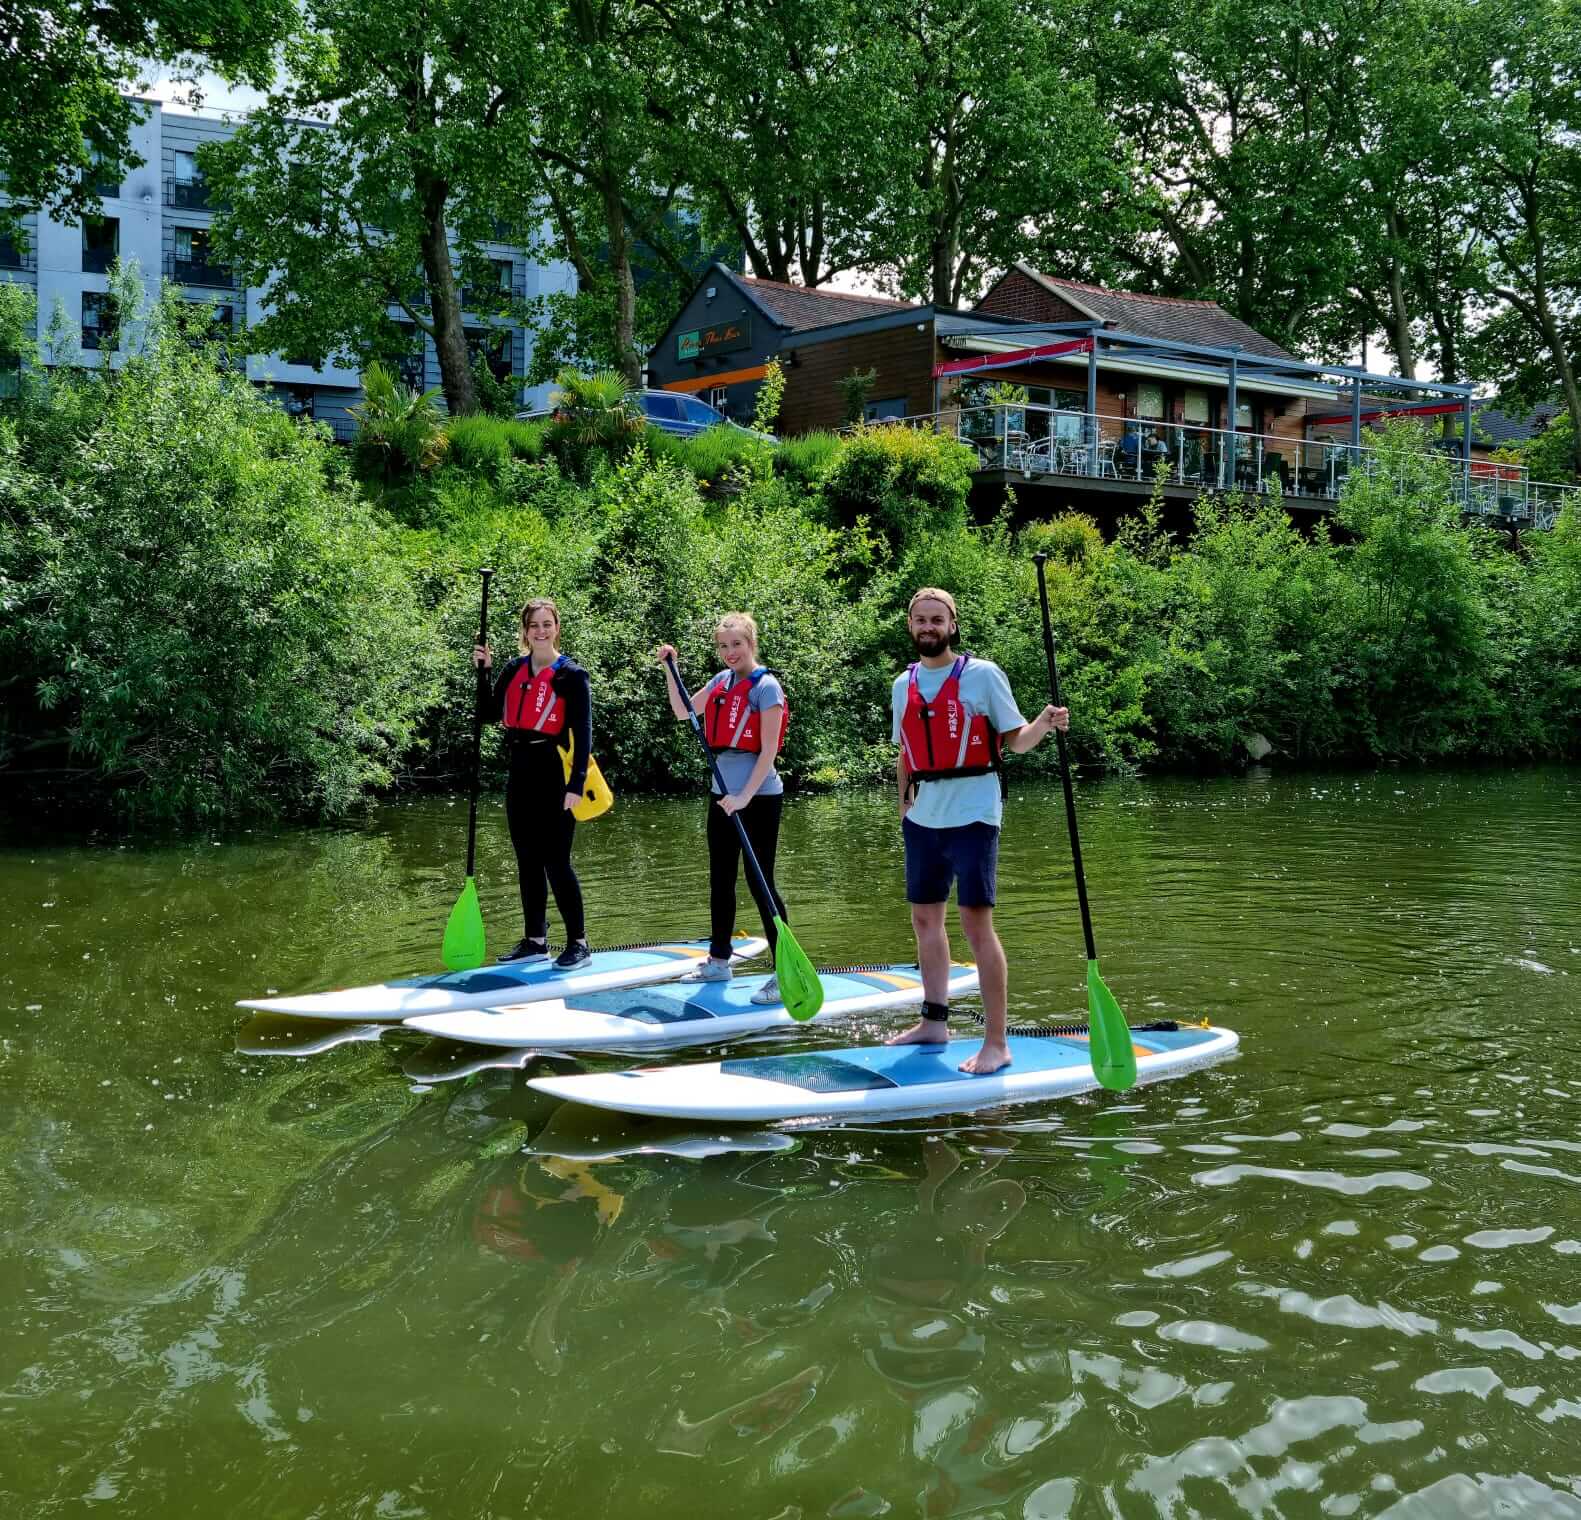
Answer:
(953, 716)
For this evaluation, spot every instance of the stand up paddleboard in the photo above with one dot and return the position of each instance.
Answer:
(690, 1013)
(512, 982)
(880, 1082)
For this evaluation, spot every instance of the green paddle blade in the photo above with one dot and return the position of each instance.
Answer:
(1109, 1037)
(800, 990)
(464, 946)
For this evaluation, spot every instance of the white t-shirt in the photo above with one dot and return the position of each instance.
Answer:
(960, 799)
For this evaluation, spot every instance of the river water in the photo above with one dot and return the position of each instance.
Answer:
(1339, 1275)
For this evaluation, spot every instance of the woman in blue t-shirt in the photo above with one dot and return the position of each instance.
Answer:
(743, 715)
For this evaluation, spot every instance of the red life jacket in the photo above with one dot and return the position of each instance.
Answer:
(940, 739)
(729, 719)
(531, 703)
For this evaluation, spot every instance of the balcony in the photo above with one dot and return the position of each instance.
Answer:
(200, 272)
(188, 194)
(1132, 456)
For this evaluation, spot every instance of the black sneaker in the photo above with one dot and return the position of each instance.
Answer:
(527, 950)
(575, 954)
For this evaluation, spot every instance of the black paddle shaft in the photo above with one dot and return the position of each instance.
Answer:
(481, 697)
(760, 883)
(1064, 759)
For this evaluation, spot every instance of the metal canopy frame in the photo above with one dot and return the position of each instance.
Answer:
(1238, 363)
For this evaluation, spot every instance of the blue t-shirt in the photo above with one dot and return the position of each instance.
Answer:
(960, 799)
(736, 764)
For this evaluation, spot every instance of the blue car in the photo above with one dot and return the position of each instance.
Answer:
(674, 412)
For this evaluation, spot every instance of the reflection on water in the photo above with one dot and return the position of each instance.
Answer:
(1340, 1276)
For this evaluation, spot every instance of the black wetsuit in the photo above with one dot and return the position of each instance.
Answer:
(541, 826)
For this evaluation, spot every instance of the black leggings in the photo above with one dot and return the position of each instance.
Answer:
(542, 829)
(762, 819)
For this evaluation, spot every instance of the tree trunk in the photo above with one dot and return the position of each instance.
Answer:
(1400, 339)
(627, 357)
(450, 343)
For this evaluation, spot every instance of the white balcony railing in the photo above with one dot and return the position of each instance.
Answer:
(1037, 441)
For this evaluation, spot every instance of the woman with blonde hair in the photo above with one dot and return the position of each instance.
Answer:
(743, 716)
(543, 699)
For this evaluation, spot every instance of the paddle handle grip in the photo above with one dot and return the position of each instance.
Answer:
(1040, 560)
(760, 886)
(477, 724)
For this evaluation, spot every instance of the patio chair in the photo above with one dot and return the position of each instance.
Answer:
(1106, 465)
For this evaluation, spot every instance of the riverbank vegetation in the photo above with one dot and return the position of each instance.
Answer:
(210, 609)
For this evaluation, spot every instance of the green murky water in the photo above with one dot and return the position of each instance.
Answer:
(1339, 1276)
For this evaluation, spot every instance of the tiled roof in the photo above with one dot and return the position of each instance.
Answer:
(1495, 427)
(800, 309)
(1165, 317)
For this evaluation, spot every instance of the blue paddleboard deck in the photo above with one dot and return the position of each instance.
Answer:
(881, 1081)
(509, 982)
(674, 1014)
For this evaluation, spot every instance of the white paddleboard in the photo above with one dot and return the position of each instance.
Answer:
(877, 1082)
(680, 1013)
(509, 982)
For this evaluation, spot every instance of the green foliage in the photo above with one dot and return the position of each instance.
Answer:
(596, 417)
(67, 92)
(805, 461)
(855, 388)
(199, 618)
(903, 481)
(771, 392)
(488, 446)
(400, 433)
(1551, 455)
(1071, 537)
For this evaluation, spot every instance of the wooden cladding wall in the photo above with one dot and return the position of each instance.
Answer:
(903, 357)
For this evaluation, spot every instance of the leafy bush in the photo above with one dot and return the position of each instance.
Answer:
(804, 462)
(905, 481)
(200, 618)
(400, 433)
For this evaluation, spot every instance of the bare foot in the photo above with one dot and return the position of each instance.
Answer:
(992, 1056)
(925, 1032)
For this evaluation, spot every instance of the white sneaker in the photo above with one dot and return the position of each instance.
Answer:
(769, 992)
(712, 970)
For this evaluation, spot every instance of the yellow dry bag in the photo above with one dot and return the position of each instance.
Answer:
(596, 795)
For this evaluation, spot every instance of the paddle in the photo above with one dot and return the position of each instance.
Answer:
(800, 990)
(464, 945)
(1109, 1036)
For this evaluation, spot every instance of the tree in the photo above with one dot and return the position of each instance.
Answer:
(69, 65)
(394, 134)
(1524, 170)
(986, 136)
(773, 128)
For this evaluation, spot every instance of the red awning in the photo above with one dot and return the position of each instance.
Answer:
(1428, 409)
(1017, 356)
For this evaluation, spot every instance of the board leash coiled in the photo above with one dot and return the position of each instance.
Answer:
(1053, 1031)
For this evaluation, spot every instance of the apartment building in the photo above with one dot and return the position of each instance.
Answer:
(159, 213)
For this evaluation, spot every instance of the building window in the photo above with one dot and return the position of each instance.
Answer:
(1244, 421)
(193, 263)
(719, 398)
(10, 377)
(10, 255)
(101, 242)
(890, 406)
(188, 189)
(99, 320)
(1150, 402)
(103, 174)
(494, 346)
(1194, 408)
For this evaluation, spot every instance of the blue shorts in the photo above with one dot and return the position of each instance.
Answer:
(967, 856)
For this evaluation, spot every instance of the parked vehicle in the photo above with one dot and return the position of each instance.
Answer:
(671, 411)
